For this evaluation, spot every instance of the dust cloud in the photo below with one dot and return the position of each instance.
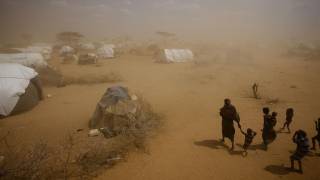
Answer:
(234, 44)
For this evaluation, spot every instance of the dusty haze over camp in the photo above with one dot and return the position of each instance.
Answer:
(228, 20)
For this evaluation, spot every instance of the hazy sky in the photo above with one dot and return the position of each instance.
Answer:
(201, 19)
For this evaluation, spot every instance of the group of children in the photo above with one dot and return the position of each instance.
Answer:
(269, 134)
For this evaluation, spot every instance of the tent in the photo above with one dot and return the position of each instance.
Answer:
(34, 60)
(105, 52)
(20, 89)
(89, 58)
(44, 50)
(175, 55)
(110, 98)
(87, 46)
(66, 50)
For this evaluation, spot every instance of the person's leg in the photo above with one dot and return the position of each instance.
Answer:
(292, 162)
(284, 125)
(222, 133)
(232, 144)
(222, 140)
(288, 127)
(313, 143)
(300, 166)
(265, 143)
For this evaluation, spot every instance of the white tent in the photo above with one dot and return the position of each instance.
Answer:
(175, 55)
(35, 60)
(105, 52)
(45, 50)
(14, 79)
(66, 50)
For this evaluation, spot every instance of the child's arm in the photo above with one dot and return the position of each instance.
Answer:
(254, 133)
(242, 131)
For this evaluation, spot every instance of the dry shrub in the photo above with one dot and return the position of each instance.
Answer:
(105, 78)
(78, 156)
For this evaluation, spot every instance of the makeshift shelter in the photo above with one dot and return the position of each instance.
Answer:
(105, 52)
(34, 60)
(20, 89)
(110, 98)
(44, 50)
(121, 113)
(88, 58)
(174, 55)
(66, 50)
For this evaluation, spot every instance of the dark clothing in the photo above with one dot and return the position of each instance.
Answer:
(316, 137)
(248, 140)
(268, 133)
(302, 148)
(228, 114)
(289, 116)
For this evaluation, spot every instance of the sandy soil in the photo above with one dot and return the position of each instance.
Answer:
(190, 96)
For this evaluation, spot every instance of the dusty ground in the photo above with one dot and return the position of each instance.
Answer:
(190, 96)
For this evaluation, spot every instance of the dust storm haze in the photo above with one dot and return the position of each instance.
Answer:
(136, 89)
(255, 20)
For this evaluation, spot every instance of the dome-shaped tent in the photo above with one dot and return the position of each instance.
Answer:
(20, 89)
(34, 60)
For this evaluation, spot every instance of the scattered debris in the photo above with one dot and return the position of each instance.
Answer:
(272, 101)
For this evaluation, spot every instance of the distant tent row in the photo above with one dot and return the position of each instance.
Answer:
(104, 52)
(20, 89)
(34, 60)
(174, 55)
(44, 50)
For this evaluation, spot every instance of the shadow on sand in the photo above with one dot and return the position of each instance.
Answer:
(215, 144)
(280, 170)
(280, 131)
(254, 147)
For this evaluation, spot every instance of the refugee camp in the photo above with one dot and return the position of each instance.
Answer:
(159, 89)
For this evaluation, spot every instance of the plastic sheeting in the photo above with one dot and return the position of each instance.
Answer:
(111, 97)
(176, 55)
(14, 79)
(105, 52)
(34, 60)
(66, 50)
(44, 50)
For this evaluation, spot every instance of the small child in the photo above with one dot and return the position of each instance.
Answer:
(301, 140)
(274, 119)
(289, 117)
(248, 139)
(317, 137)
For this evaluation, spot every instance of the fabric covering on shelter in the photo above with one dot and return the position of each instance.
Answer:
(66, 50)
(14, 79)
(44, 50)
(105, 52)
(34, 60)
(111, 97)
(175, 55)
